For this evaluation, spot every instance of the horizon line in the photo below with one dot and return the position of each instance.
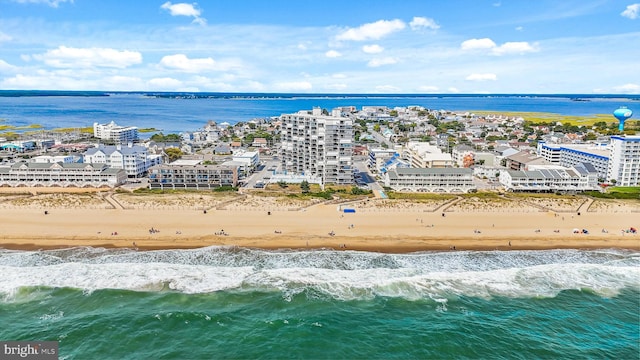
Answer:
(107, 92)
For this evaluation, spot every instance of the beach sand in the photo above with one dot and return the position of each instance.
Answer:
(180, 221)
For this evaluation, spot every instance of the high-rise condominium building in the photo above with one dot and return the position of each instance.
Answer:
(319, 145)
(624, 165)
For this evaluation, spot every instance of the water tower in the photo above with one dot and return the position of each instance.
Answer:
(622, 114)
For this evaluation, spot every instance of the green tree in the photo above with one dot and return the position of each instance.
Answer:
(173, 153)
(304, 186)
(160, 137)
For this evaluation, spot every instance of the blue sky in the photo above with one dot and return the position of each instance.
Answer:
(328, 46)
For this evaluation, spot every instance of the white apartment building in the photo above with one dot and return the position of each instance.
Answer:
(545, 178)
(437, 180)
(250, 158)
(246, 162)
(32, 174)
(618, 160)
(624, 164)
(318, 145)
(133, 158)
(424, 155)
(460, 153)
(115, 133)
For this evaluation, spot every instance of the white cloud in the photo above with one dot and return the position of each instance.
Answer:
(339, 76)
(423, 22)
(519, 28)
(4, 37)
(482, 77)
(628, 89)
(42, 80)
(67, 57)
(184, 9)
(21, 81)
(631, 11)
(372, 31)
(294, 86)
(181, 62)
(428, 89)
(332, 54)
(6, 67)
(52, 3)
(453, 90)
(381, 61)
(303, 46)
(517, 47)
(372, 49)
(474, 44)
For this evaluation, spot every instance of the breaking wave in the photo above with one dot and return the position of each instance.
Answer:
(342, 275)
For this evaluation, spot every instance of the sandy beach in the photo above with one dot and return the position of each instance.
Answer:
(205, 219)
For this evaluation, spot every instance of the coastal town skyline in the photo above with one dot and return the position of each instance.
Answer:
(354, 47)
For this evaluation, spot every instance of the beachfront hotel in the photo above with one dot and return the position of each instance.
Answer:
(59, 174)
(318, 144)
(436, 180)
(617, 160)
(116, 133)
(194, 176)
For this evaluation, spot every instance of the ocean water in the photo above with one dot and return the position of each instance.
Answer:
(236, 303)
(174, 115)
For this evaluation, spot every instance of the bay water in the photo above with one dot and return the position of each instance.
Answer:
(175, 113)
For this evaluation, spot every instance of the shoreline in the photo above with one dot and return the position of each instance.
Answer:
(340, 243)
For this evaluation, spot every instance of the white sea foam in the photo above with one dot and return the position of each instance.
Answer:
(341, 275)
